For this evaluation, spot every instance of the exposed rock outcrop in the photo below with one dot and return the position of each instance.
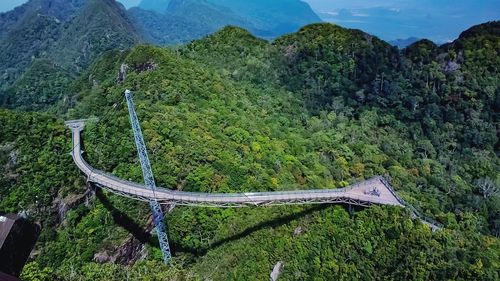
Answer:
(297, 231)
(122, 74)
(275, 274)
(11, 154)
(63, 205)
(128, 253)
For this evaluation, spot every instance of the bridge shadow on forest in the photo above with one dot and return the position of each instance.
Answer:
(123, 220)
(143, 235)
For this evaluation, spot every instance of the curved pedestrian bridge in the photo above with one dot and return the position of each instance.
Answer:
(366, 193)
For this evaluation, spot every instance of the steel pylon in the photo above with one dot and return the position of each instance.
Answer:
(149, 181)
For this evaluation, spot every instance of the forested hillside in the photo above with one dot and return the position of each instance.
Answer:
(40, 88)
(69, 34)
(321, 108)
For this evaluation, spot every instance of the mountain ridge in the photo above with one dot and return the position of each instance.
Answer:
(89, 29)
(101, 25)
(183, 21)
(267, 19)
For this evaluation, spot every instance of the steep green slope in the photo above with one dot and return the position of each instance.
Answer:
(33, 38)
(37, 176)
(374, 244)
(71, 34)
(29, 31)
(41, 87)
(100, 26)
(58, 9)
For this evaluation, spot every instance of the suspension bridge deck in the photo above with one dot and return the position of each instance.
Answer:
(366, 193)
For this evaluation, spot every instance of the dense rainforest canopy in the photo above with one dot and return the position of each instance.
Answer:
(321, 108)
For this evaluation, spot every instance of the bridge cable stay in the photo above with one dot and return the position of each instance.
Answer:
(158, 216)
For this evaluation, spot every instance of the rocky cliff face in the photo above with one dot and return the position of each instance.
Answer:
(128, 253)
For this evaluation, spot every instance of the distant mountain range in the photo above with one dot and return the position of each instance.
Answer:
(438, 20)
(154, 5)
(181, 21)
(63, 37)
(178, 21)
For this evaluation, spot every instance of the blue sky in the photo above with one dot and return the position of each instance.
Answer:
(6, 5)
(438, 20)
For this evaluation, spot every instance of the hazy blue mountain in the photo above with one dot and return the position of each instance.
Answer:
(267, 19)
(183, 21)
(403, 43)
(277, 16)
(387, 23)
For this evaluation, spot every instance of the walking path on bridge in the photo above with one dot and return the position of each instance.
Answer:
(366, 193)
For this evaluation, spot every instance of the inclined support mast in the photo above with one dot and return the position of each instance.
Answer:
(149, 181)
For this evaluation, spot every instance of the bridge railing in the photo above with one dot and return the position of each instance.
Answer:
(139, 191)
(111, 183)
(410, 207)
(425, 218)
